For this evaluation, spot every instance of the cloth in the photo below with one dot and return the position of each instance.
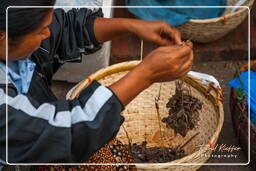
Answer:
(113, 152)
(72, 35)
(176, 16)
(42, 128)
(206, 78)
(20, 73)
(235, 83)
(78, 3)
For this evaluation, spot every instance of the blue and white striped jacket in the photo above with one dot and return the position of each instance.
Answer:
(43, 129)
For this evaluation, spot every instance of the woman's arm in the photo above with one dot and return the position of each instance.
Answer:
(163, 64)
(154, 31)
(59, 131)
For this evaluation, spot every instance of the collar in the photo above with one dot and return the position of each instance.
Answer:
(19, 73)
(3, 74)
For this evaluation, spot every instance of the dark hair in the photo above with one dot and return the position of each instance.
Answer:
(22, 21)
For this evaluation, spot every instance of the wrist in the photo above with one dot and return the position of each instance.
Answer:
(142, 76)
(127, 88)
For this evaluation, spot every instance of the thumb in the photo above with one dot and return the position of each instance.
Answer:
(162, 41)
(189, 43)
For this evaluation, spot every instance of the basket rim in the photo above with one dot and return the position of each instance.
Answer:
(246, 66)
(245, 114)
(125, 66)
(211, 20)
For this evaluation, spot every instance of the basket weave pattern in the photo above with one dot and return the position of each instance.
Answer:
(141, 119)
(209, 30)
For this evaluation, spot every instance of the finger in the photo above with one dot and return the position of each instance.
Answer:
(185, 65)
(161, 41)
(182, 51)
(188, 64)
(172, 48)
(188, 58)
(189, 43)
(177, 37)
(184, 71)
(176, 51)
(174, 34)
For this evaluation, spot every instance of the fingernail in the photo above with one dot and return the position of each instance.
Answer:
(188, 42)
(182, 44)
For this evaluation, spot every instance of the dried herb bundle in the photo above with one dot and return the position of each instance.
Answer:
(142, 154)
(183, 110)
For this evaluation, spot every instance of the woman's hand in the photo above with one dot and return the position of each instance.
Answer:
(158, 32)
(167, 63)
(163, 64)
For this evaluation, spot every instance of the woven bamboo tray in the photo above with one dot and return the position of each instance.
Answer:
(240, 122)
(142, 123)
(209, 30)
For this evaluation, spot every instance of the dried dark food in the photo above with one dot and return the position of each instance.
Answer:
(142, 154)
(183, 110)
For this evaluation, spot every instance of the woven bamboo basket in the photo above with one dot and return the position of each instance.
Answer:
(240, 121)
(142, 123)
(209, 30)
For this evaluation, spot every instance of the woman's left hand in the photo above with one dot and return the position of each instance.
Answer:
(158, 32)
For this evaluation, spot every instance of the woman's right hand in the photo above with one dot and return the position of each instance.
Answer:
(163, 64)
(167, 63)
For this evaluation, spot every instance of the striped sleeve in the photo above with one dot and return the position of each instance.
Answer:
(61, 131)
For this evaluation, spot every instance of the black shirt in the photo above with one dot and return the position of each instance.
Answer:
(43, 129)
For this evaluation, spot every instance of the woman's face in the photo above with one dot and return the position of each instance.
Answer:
(23, 47)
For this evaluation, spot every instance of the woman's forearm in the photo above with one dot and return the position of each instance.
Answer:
(158, 32)
(106, 29)
(127, 88)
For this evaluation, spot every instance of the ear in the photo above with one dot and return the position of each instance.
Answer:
(2, 35)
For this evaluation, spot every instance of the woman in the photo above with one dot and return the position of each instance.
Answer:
(43, 129)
